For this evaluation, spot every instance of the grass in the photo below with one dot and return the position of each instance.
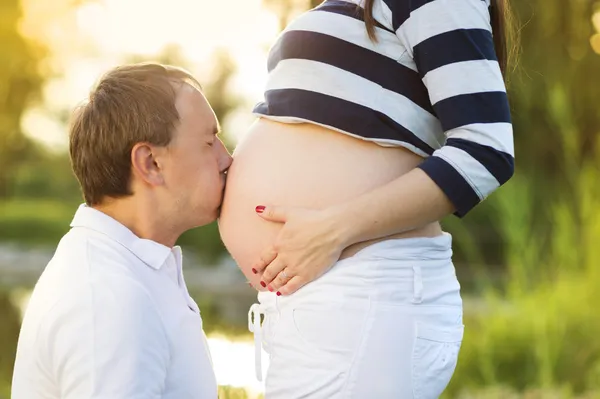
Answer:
(42, 222)
(34, 222)
(227, 392)
(540, 333)
(508, 393)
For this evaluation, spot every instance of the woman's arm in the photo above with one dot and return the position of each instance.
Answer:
(312, 241)
(452, 46)
(409, 202)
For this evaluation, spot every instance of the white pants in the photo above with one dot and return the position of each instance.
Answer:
(384, 323)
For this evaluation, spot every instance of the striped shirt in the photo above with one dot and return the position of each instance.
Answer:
(430, 83)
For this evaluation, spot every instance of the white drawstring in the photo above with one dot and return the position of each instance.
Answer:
(255, 327)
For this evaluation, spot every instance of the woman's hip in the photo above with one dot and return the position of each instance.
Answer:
(383, 350)
(388, 314)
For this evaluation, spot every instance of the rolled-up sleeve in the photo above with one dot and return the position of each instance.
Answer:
(452, 45)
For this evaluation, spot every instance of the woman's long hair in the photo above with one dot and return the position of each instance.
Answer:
(503, 28)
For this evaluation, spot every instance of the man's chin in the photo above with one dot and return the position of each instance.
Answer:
(218, 213)
(204, 220)
(215, 215)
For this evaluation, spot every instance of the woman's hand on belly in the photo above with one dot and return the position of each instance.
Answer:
(310, 242)
(307, 246)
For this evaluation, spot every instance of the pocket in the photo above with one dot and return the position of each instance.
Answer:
(435, 355)
(334, 331)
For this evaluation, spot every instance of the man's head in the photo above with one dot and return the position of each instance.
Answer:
(147, 133)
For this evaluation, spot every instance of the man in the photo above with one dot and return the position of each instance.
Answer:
(110, 317)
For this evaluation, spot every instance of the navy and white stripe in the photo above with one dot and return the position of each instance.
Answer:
(431, 83)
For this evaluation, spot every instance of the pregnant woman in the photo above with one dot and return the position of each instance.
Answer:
(380, 118)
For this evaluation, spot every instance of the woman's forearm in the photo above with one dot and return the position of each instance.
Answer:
(411, 201)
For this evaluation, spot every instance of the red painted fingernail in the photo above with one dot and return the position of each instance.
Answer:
(278, 293)
(270, 288)
(254, 271)
(259, 209)
(263, 284)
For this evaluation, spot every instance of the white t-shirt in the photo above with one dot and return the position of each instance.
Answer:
(111, 318)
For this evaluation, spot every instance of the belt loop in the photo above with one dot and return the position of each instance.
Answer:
(255, 327)
(417, 285)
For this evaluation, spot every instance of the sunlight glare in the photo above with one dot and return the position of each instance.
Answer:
(98, 35)
(233, 362)
(596, 21)
(199, 27)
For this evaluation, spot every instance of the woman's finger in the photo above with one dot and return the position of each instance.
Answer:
(273, 213)
(281, 279)
(271, 271)
(293, 285)
(266, 257)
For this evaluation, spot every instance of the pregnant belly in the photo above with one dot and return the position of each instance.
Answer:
(300, 165)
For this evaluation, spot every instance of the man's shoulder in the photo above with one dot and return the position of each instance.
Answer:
(74, 314)
(86, 263)
(74, 303)
(84, 253)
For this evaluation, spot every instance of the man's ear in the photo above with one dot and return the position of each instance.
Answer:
(145, 164)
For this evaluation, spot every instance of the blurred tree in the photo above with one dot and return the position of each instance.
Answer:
(47, 175)
(9, 333)
(21, 83)
(555, 91)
